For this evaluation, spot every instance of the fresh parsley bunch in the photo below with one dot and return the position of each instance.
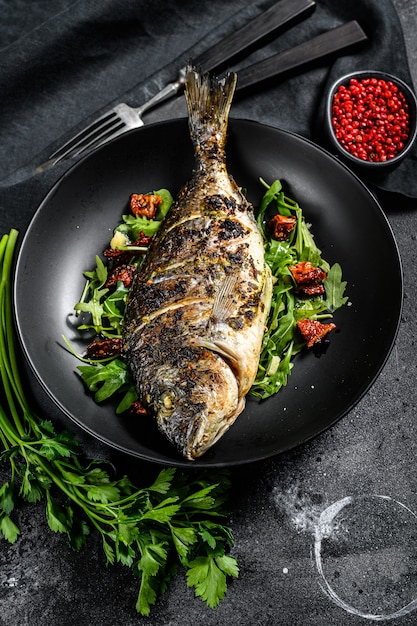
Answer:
(175, 522)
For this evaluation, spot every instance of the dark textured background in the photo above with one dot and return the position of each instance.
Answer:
(61, 63)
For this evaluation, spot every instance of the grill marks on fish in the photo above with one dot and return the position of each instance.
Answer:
(198, 304)
(191, 267)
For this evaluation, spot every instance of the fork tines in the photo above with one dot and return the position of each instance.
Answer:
(106, 127)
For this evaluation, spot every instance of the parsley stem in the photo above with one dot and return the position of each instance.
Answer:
(72, 493)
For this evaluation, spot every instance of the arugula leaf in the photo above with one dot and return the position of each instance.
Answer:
(94, 287)
(282, 340)
(128, 399)
(271, 194)
(133, 225)
(114, 306)
(105, 380)
(335, 288)
(103, 308)
(167, 201)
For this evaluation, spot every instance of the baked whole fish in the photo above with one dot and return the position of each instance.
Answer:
(199, 301)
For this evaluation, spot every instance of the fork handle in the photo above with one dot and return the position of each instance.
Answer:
(329, 42)
(165, 93)
(279, 15)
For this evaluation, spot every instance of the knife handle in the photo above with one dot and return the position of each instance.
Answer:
(327, 43)
(279, 15)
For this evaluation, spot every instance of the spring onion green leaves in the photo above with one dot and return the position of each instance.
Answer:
(175, 522)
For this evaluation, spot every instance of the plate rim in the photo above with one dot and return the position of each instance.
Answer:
(199, 463)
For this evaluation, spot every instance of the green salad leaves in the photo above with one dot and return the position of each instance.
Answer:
(282, 340)
(104, 308)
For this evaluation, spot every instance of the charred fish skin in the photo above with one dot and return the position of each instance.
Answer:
(198, 305)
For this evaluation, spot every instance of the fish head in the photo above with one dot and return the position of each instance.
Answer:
(195, 399)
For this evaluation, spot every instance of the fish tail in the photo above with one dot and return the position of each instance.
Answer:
(209, 100)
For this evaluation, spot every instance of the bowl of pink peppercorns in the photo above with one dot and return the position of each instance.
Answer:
(371, 118)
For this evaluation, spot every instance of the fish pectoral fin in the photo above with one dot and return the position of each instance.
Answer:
(218, 348)
(223, 350)
(224, 303)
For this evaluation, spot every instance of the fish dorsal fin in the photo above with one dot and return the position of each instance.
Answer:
(224, 300)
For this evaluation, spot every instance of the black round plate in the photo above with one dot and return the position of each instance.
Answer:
(75, 222)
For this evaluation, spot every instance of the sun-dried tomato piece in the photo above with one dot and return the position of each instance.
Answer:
(144, 204)
(312, 290)
(305, 272)
(313, 331)
(308, 278)
(281, 226)
(123, 273)
(103, 348)
(142, 240)
(118, 257)
(137, 408)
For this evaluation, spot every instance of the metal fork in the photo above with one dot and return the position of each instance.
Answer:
(122, 117)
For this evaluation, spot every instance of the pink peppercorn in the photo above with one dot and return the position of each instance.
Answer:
(370, 118)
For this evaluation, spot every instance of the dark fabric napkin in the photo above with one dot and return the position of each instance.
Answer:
(63, 63)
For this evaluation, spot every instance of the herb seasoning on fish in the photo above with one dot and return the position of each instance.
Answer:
(199, 302)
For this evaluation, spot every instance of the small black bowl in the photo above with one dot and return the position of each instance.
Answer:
(369, 164)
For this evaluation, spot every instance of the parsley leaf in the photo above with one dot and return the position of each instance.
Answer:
(6, 498)
(208, 577)
(8, 528)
